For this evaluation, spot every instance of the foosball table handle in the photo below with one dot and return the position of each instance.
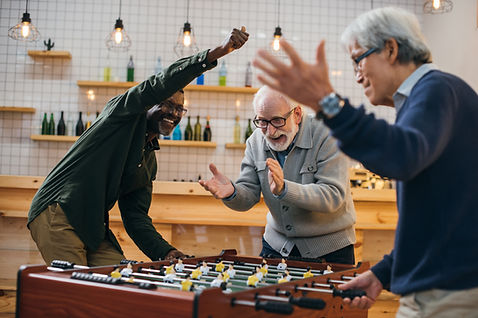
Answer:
(274, 307)
(349, 293)
(306, 302)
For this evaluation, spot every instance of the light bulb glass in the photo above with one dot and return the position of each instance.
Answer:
(25, 29)
(276, 43)
(118, 36)
(187, 38)
(436, 4)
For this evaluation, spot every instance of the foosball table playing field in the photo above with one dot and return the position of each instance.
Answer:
(226, 285)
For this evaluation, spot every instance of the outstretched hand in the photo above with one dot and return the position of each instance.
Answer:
(219, 185)
(367, 282)
(233, 41)
(301, 81)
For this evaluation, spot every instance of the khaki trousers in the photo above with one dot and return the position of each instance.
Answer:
(438, 303)
(56, 240)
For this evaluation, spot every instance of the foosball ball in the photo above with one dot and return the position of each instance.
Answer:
(226, 285)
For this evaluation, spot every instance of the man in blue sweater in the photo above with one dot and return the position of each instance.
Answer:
(433, 144)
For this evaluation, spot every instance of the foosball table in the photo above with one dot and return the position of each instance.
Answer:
(226, 285)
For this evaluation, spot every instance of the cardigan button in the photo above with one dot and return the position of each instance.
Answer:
(139, 165)
(285, 208)
(288, 227)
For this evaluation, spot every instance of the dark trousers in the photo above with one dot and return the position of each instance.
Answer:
(343, 256)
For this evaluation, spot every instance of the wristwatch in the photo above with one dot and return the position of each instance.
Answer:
(330, 106)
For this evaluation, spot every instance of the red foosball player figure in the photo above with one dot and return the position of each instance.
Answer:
(220, 267)
(204, 268)
(116, 272)
(282, 265)
(308, 273)
(196, 273)
(186, 284)
(231, 271)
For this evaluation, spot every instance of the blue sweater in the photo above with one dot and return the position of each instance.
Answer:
(432, 152)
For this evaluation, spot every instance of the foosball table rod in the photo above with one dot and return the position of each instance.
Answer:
(268, 306)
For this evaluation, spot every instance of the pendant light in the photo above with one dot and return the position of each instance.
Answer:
(437, 6)
(278, 32)
(25, 30)
(186, 42)
(118, 40)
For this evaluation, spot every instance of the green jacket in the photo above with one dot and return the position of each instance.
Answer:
(109, 163)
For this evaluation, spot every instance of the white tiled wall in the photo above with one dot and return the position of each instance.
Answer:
(80, 26)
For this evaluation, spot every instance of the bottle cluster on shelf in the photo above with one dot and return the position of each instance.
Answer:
(73, 126)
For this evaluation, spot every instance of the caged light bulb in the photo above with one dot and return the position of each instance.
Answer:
(436, 4)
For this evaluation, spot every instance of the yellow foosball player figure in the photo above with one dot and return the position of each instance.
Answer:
(170, 269)
(170, 274)
(308, 273)
(220, 267)
(282, 265)
(264, 268)
(186, 284)
(225, 276)
(196, 273)
(115, 273)
(252, 280)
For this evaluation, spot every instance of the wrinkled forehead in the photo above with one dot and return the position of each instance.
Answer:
(272, 105)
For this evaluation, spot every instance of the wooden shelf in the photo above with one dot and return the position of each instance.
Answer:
(192, 88)
(52, 54)
(17, 109)
(53, 138)
(162, 142)
(235, 146)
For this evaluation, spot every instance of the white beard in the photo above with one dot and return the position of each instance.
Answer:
(281, 146)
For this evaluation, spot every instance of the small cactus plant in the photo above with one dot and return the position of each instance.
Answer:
(49, 44)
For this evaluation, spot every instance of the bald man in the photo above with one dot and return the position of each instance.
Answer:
(303, 177)
(114, 161)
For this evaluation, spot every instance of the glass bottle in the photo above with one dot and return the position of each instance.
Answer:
(51, 125)
(61, 128)
(249, 130)
(159, 66)
(248, 82)
(197, 130)
(107, 70)
(237, 131)
(44, 125)
(130, 70)
(207, 135)
(88, 121)
(79, 126)
(188, 132)
(177, 135)
(222, 74)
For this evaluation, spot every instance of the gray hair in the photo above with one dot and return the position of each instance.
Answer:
(265, 91)
(373, 28)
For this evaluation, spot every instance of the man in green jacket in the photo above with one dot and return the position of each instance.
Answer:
(114, 160)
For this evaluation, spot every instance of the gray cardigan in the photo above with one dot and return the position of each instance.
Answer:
(317, 212)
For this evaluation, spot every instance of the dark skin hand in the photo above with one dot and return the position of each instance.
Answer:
(172, 254)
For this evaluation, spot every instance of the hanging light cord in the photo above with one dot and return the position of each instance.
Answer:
(26, 7)
(119, 15)
(278, 12)
(187, 13)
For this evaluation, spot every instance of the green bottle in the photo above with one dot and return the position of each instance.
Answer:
(197, 130)
(130, 70)
(207, 131)
(44, 125)
(51, 125)
(249, 130)
(237, 131)
(188, 132)
(222, 74)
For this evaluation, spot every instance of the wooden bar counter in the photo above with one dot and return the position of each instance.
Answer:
(190, 219)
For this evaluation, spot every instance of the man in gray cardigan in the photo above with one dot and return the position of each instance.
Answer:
(303, 177)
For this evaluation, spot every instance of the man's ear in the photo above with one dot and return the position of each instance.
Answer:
(298, 112)
(391, 50)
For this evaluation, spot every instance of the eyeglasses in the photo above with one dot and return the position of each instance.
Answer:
(173, 108)
(276, 122)
(356, 61)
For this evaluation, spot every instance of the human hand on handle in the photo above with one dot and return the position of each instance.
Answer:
(275, 176)
(306, 83)
(172, 254)
(367, 282)
(233, 41)
(219, 185)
